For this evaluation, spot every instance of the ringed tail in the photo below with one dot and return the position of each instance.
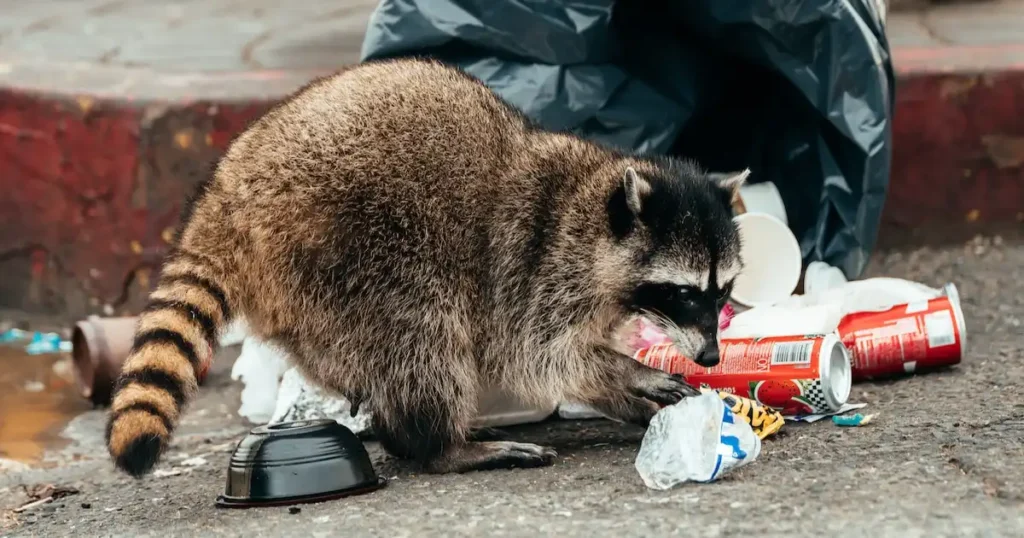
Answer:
(174, 343)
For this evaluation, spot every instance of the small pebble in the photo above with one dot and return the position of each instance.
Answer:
(86, 505)
(294, 509)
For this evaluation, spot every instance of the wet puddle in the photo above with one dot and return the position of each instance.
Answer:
(38, 397)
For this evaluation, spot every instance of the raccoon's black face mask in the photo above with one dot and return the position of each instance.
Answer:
(677, 224)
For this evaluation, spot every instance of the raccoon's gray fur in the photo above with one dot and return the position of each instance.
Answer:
(407, 237)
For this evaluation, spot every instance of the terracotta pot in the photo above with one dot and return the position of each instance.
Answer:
(99, 346)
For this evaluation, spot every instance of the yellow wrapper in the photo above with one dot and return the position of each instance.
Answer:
(764, 420)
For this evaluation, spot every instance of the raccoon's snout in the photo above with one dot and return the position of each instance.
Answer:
(708, 356)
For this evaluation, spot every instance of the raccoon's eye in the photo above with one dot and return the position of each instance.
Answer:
(687, 294)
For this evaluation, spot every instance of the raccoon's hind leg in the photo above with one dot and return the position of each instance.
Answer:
(624, 389)
(424, 413)
(429, 429)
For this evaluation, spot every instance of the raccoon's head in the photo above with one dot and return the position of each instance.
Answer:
(674, 225)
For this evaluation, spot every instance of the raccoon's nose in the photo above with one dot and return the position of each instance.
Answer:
(707, 357)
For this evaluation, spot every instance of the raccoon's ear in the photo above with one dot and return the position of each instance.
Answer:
(636, 189)
(626, 202)
(730, 182)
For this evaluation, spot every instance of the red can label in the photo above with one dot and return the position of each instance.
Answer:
(781, 372)
(904, 338)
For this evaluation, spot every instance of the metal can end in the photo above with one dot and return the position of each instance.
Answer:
(836, 372)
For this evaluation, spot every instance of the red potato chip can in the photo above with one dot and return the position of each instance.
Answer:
(906, 338)
(797, 375)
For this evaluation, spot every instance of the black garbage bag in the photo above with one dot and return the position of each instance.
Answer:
(799, 91)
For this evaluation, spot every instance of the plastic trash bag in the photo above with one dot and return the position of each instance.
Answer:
(800, 91)
(698, 439)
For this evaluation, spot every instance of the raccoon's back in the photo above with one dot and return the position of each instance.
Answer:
(388, 125)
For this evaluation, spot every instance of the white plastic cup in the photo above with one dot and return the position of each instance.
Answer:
(771, 259)
(821, 277)
(762, 198)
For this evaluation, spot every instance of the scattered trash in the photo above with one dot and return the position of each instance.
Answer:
(725, 317)
(822, 311)
(793, 374)
(13, 335)
(852, 420)
(298, 399)
(275, 392)
(41, 491)
(846, 408)
(820, 276)
(870, 294)
(38, 342)
(297, 462)
(772, 260)
(194, 462)
(698, 439)
(764, 420)
(890, 326)
(41, 494)
(762, 197)
(34, 386)
(906, 338)
(260, 367)
(99, 346)
(32, 504)
(47, 343)
(164, 473)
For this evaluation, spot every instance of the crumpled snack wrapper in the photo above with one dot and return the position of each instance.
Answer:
(763, 420)
(696, 440)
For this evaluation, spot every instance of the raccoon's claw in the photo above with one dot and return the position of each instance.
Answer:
(688, 389)
(665, 389)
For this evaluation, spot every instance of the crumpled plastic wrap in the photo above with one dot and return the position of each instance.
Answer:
(260, 367)
(297, 399)
(696, 440)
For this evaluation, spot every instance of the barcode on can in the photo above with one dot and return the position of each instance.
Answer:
(792, 353)
(939, 327)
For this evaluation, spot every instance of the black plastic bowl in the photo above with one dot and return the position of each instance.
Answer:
(298, 462)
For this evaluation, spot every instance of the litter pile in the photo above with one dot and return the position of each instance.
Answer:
(797, 355)
(784, 356)
(794, 359)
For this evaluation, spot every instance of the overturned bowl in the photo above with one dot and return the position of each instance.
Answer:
(297, 462)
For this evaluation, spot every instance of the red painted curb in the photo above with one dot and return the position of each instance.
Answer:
(958, 136)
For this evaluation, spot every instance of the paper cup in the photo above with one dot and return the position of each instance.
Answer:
(761, 198)
(771, 259)
(821, 277)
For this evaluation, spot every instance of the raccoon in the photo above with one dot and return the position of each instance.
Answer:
(406, 237)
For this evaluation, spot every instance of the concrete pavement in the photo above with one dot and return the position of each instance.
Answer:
(945, 457)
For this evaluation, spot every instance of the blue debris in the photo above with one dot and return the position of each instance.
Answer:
(13, 335)
(39, 342)
(852, 420)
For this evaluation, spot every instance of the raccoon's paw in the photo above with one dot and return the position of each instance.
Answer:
(663, 388)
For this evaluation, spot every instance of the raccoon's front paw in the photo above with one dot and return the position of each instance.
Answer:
(663, 388)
